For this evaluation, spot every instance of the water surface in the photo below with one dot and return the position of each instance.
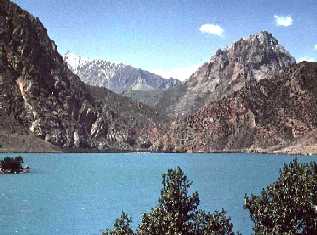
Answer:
(81, 194)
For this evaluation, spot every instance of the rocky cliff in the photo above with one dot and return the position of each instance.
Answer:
(264, 115)
(256, 57)
(40, 95)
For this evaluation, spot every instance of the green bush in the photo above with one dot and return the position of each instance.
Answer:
(176, 213)
(289, 205)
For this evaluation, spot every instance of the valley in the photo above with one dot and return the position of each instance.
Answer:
(251, 96)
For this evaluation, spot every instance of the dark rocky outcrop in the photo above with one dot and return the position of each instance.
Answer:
(45, 99)
(13, 165)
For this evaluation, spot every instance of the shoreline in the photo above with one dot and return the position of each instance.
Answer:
(304, 154)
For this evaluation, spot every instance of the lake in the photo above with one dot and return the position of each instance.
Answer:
(82, 194)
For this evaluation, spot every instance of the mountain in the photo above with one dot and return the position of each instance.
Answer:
(42, 99)
(117, 77)
(276, 114)
(251, 96)
(137, 84)
(254, 58)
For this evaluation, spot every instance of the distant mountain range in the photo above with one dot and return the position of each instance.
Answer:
(251, 96)
(138, 84)
(116, 77)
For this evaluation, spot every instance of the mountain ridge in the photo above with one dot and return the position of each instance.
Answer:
(256, 57)
(117, 77)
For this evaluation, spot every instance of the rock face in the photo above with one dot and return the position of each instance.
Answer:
(117, 77)
(251, 59)
(264, 115)
(40, 94)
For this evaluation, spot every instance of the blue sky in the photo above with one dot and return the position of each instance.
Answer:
(172, 37)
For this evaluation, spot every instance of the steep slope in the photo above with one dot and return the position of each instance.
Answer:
(254, 58)
(116, 77)
(14, 137)
(265, 115)
(39, 94)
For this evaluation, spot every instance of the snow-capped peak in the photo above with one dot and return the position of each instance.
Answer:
(116, 77)
(74, 61)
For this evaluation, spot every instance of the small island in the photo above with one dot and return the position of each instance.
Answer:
(13, 165)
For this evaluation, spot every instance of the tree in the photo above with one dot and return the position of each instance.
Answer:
(12, 165)
(177, 212)
(212, 224)
(121, 226)
(176, 209)
(289, 205)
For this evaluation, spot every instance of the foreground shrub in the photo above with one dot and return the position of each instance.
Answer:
(212, 223)
(289, 205)
(177, 213)
(121, 226)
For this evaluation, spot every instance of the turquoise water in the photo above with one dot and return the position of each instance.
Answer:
(82, 194)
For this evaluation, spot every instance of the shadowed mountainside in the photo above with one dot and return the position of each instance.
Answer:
(40, 95)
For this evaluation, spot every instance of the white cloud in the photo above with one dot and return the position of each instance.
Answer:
(283, 21)
(213, 29)
(315, 47)
(181, 73)
(307, 58)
